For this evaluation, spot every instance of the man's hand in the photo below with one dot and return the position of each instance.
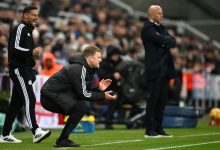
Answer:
(110, 96)
(37, 51)
(104, 83)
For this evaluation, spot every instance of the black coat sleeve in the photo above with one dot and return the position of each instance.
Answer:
(77, 76)
(150, 33)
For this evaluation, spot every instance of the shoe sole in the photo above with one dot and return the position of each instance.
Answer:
(158, 136)
(10, 142)
(57, 146)
(46, 136)
(164, 136)
(147, 136)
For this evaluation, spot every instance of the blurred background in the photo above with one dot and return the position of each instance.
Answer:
(66, 26)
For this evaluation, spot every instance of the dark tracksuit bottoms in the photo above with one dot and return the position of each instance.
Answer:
(22, 95)
(76, 114)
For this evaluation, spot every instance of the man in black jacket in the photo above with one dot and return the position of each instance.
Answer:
(21, 53)
(159, 69)
(66, 91)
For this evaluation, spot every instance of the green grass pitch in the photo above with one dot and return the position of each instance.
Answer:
(203, 137)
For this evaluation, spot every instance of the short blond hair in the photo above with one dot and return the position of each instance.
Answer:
(91, 50)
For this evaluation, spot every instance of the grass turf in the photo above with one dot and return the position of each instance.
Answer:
(203, 137)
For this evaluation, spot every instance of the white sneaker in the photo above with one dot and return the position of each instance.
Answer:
(40, 135)
(9, 139)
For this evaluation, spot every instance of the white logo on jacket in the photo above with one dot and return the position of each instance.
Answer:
(28, 34)
(30, 82)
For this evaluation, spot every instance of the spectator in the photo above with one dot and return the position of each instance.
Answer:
(108, 70)
(49, 65)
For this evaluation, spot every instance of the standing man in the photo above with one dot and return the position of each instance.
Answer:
(21, 53)
(66, 91)
(159, 69)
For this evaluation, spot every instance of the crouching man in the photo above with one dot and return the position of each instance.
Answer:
(66, 91)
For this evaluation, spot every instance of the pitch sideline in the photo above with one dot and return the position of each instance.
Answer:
(117, 142)
(162, 148)
(185, 145)
(194, 135)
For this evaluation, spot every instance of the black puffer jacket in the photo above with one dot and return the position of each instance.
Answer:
(76, 79)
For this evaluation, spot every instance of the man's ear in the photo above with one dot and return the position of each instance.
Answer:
(25, 16)
(90, 57)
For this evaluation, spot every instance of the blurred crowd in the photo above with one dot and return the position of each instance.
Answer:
(66, 26)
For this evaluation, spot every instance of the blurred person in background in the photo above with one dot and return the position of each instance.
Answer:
(159, 69)
(21, 53)
(4, 64)
(49, 66)
(3, 43)
(3, 54)
(109, 70)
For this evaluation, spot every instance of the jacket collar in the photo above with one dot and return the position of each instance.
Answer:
(28, 25)
(157, 24)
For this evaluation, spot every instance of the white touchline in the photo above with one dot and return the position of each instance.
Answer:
(186, 145)
(193, 135)
(184, 136)
(109, 143)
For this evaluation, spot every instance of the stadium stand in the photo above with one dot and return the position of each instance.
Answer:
(67, 26)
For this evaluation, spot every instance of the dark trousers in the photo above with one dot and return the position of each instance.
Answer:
(112, 107)
(158, 90)
(22, 95)
(76, 114)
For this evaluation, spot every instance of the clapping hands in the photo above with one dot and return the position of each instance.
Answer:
(104, 84)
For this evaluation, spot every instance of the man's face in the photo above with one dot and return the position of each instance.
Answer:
(115, 57)
(158, 15)
(49, 63)
(32, 17)
(95, 60)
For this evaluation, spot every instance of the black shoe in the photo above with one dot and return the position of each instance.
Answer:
(65, 143)
(151, 134)
(162, 133)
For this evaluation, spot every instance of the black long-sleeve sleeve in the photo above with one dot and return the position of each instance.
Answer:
(20, 46)
(77, 76)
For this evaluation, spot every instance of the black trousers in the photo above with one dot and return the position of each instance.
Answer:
(158, 90)
(22, 95)
(75, 115)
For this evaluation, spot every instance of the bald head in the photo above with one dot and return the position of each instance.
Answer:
(155, 13)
